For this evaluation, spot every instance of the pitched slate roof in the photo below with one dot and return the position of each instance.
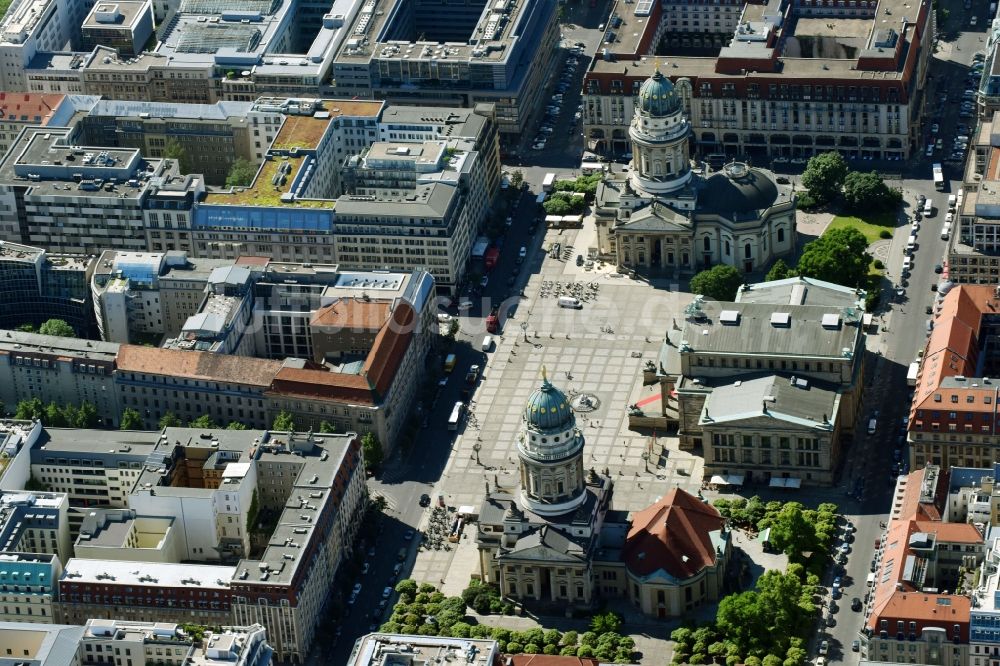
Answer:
(547, 543)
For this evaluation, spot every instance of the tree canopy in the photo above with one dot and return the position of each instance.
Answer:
(839, 256)
(779, 271)
(283, 422)
(169, 420)
(719, 282)
(372, 449)
(203, 421)
(174, 150)
(824, 176)
(868, 192)
(131, 420)
(241, 173)
(57, 327)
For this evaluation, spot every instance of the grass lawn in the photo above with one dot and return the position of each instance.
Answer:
(869, 227)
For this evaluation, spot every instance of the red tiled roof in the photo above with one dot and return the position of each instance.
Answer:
(322, 384)
(34, 108)
(352, 314)
(895, 598)
(674, 535)
(197, 365)
(389, 347)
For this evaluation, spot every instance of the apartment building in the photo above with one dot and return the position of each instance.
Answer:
(39, 286)
(144, 592)
(118, 642)
(984, 617)
(907, 618)
(28, 586)
(790, 79)
(61, 370)
(32, 26)
(178, 541)
(974, 244)
(769, 385)
(952, 415)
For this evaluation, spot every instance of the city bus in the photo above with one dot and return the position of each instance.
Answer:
(456, 416)
(938, 176)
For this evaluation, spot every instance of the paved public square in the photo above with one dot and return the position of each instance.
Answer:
(599, 351)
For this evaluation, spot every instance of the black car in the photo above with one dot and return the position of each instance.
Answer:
(938, 268)
(579, 260)
(855, 604)
(929, 310)
(425, 500)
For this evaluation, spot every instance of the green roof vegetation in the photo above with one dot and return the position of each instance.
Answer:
(262, 193)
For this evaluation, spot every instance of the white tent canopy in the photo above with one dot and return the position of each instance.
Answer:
(786, 483)
(727, 480)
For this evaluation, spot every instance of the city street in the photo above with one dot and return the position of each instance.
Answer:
(867, 467)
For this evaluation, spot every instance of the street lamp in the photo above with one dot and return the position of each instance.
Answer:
(524, 328)
(476, 447)
(645, 460)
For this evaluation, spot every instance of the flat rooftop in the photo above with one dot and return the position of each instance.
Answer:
(28, 253)
(305, 132)
(148, 574)
(111, 13)
(264, 192)
(54, 345)
(399, 650)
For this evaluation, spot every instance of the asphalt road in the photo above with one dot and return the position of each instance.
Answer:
(414, 472)
(905, 322)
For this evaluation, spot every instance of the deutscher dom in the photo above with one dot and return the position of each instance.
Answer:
(555, 541)
(662, 215)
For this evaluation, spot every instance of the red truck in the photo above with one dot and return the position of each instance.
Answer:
(491, 258)
(493, 321)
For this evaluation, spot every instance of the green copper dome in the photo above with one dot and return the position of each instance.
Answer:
(657, 96)
(548, 408)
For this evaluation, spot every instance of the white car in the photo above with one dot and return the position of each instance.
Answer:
(935, 128)
(540, 145)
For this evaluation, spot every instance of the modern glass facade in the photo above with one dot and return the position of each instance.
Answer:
(37, 289)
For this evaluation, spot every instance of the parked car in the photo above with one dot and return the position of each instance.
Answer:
(824, 647)
(855, 645)
(856, 604)
(387, 592)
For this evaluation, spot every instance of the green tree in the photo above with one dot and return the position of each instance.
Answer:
(603, 623)
(131, 420)
(236, 425)
(557, 206)
(824, 176)
(36, 486)
(175, 151)
(372, 449)
(241, 173)
(283, 422)
(86, 416)
(866, 192)
(719, 283)
(407, 586)
(26, 328)
(203, 421)
(57, 327)
(839, 256)
(326, 427)
(516, 179)
(169, 420)
(53, 417)
(252, 512)
(30, 409)
(779, 271)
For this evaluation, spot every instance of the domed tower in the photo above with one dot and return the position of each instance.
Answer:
(550, 449)
(659, 133)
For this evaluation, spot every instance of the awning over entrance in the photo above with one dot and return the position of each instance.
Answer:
(727, 480)
(786, 483)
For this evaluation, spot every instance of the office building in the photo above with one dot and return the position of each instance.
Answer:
(789, 80)
(768, 386)
(39, 644)
(20, 110)
(39, 286)
(124, 25)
